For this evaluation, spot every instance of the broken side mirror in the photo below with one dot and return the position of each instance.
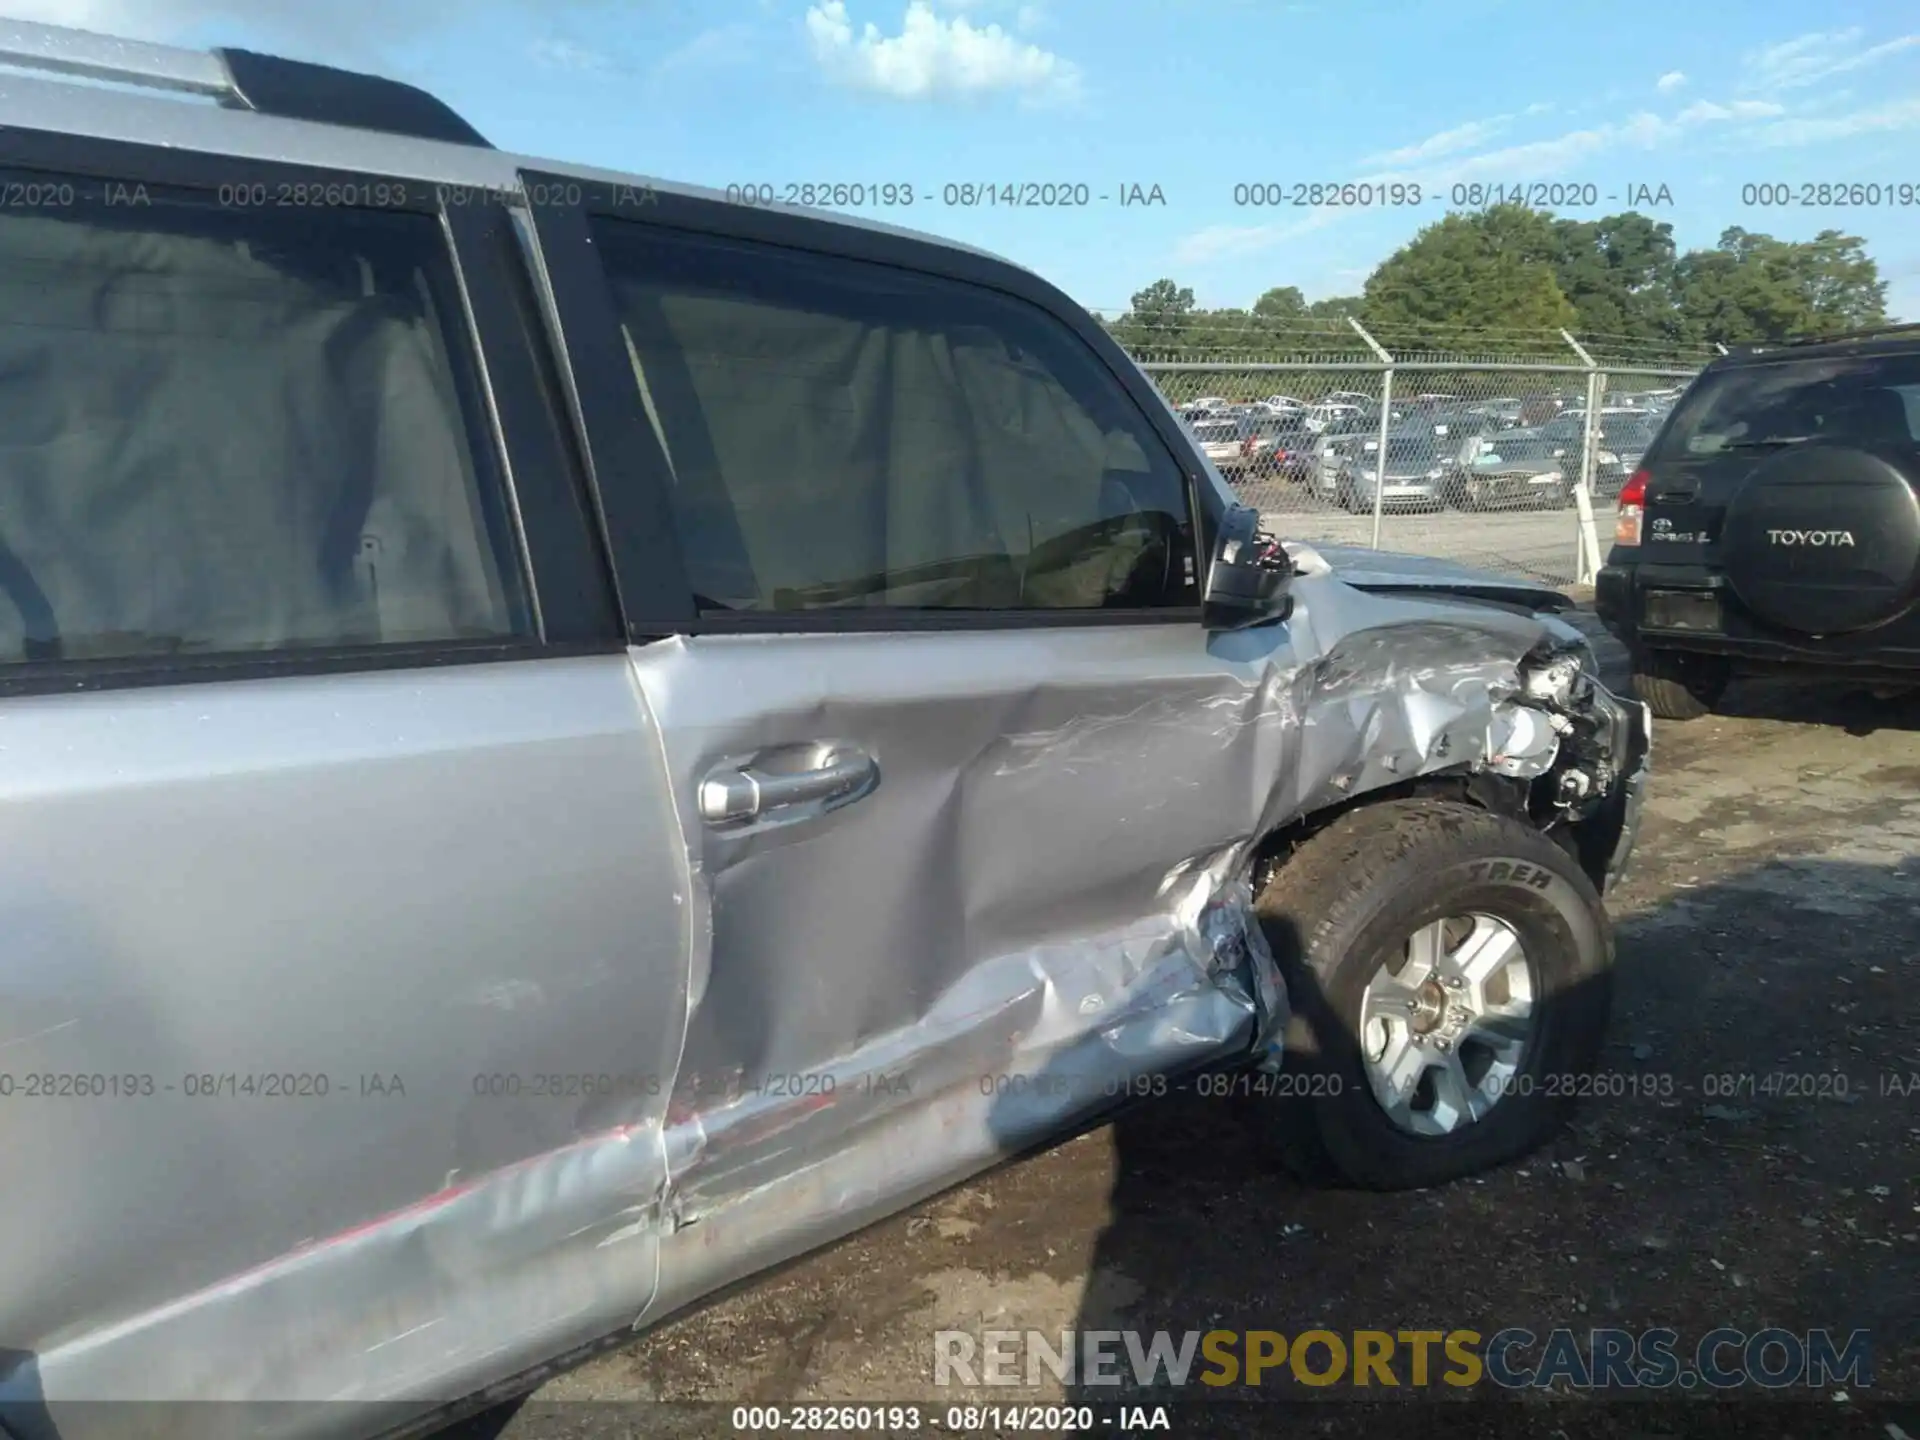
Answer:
(1248, 580)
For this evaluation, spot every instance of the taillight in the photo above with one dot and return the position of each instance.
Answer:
(1246, 447)
(1633, 500)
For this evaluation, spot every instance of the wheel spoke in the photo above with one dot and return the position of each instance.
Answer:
(1484, 953)
(1504, 1033)
(1456, 1100)
(1426, 951)
(1388, 999)
(1397, 1074)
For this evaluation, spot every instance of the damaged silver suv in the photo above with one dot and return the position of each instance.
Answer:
(566, 741)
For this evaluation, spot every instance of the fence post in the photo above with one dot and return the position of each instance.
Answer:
(1587, 542)
(1386, 419)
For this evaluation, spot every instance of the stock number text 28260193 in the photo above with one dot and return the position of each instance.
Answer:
(961, 194)
(1463, 195)
(1834, 194)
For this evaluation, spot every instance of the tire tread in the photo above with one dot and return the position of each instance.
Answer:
(1314, 894)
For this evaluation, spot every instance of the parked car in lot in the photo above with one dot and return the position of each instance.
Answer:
(1629, 438)
(1773, 526)
(1568, 437)
(1503, 411)
(1328, 452)
(1274, 446)
(1446, 428)
(1515, 469)
(1538, 410)
(1331, 417)
(1193, 415)
(1219, 439)
(527, 804)
(1258, 445)
(1412, 478)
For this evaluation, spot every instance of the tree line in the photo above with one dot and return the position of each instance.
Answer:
(1510, 270)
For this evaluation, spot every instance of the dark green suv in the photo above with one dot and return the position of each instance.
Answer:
(1774, 524)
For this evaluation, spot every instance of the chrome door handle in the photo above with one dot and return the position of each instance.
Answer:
(748, 792)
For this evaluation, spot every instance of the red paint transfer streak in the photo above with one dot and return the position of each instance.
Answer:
(305, 1251)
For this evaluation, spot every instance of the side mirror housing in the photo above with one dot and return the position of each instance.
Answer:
(1249, 577)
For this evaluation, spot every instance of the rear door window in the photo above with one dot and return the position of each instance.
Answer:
(231, 429)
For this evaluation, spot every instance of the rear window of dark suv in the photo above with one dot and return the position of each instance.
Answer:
(1851, 399)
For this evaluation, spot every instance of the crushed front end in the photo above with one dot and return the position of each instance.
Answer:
(1590, 782)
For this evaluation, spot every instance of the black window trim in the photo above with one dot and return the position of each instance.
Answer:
(630, 471)
(552, 543)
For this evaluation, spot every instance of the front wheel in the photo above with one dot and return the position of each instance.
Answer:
(1450, 973)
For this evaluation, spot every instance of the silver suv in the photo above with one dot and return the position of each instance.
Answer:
(565, 741)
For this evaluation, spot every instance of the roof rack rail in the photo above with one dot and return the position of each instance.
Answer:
(238, 79)
(1869, 333)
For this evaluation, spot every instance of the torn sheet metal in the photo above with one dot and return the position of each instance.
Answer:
(1045, 897)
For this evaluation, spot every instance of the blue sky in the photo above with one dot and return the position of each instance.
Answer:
(1703, 98)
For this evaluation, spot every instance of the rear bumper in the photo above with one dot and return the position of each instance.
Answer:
(1613, 599)
(1691, 608)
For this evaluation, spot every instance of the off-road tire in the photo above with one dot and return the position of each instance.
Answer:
(1679, 687)
(1335, 910)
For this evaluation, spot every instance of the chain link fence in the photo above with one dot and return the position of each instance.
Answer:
(1503, 455)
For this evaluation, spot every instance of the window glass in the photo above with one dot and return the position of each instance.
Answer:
(234, 430)
(1864, 399)
(842, 434)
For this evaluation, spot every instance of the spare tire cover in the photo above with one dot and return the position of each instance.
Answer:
(1823, 539)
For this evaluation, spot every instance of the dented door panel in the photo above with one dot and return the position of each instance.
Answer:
(350, 954)
(1014, 921)
(1042, 898)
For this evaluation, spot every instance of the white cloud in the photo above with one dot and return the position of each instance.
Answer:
(565, 55)
(1705, 110)
(1813, 57)
(1564, 154)
(1025, 16)
(723, 45)
(1447, 142)
(1817, 129)
(1536, 159)
(933, 57)
(1225, 242)
(1551, 158)
(1670, 81)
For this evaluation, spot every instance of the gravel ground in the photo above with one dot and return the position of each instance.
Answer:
(1768, 930)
